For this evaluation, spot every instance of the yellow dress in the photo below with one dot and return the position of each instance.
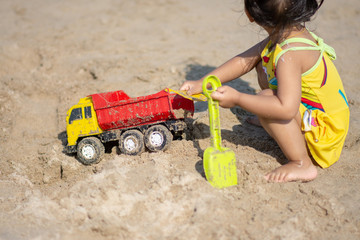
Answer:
(324, 107)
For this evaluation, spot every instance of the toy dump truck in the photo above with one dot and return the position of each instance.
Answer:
(135, 123)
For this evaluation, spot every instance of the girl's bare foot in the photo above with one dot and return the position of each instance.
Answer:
(254, 120)
(293, 171)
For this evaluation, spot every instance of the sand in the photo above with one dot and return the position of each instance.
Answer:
(52, 53)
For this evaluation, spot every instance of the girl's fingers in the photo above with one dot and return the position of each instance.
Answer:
(216, 95)
(221, 89)
(185, 87)
(192, 87)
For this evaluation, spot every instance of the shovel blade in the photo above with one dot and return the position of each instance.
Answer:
(220, 167)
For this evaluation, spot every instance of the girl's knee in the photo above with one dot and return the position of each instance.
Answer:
(267, 92)
(262, 78)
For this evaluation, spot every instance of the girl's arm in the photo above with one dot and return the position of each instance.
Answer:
(232, 69)
(282, 104)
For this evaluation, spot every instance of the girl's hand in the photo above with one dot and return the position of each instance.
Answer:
(226, 96)
(192, 87)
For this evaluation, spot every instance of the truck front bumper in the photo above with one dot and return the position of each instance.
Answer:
(70, 149)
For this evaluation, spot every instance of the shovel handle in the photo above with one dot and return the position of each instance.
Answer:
(214, 116)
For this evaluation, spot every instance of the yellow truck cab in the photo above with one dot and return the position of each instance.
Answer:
(81, 121)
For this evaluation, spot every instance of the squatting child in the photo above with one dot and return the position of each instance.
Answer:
(302, 104)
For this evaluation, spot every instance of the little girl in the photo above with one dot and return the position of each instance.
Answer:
(302, 104)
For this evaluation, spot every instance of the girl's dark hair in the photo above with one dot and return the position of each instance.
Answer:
(281, 14)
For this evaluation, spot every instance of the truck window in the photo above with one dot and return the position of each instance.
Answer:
(88, 112)
(75, 115)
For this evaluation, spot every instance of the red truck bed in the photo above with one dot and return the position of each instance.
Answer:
(116, 110)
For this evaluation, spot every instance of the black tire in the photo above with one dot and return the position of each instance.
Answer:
(90, 150)
(158, 138)
(132, 142)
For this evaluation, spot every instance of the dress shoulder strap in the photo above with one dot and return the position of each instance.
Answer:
(299, 40)
(319, 46)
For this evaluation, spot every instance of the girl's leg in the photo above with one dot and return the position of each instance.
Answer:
(262, 78)
(263, 83)
(289, 137)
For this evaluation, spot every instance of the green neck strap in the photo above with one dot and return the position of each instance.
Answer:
(320, 46)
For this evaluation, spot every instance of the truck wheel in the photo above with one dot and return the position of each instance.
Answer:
(158, 138)
(132, 142)
(90, 150)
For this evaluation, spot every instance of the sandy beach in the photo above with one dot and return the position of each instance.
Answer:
(52, 53)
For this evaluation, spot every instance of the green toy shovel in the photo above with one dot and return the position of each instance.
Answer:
(219, 163)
